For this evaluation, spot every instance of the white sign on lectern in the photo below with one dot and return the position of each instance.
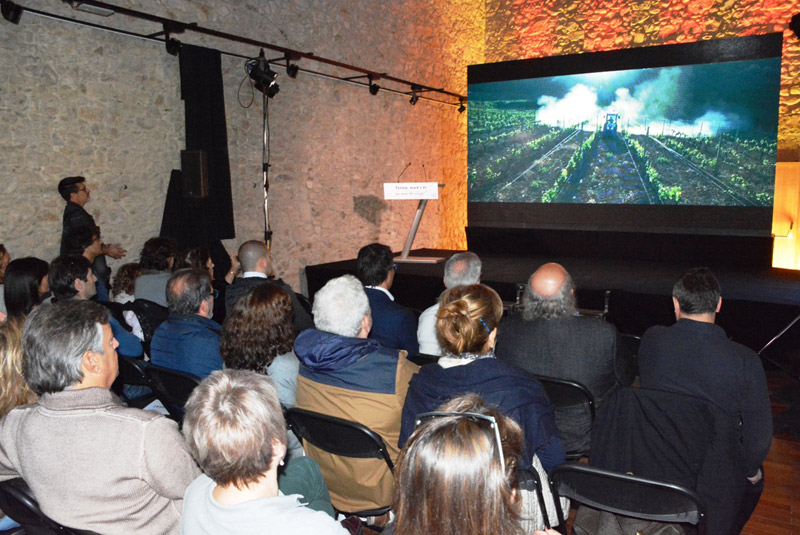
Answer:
(396, 191)
(423, 191)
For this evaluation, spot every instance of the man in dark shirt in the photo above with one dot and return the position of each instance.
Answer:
(549, 338)
(694, 356)
(74, 190)
(393, 325)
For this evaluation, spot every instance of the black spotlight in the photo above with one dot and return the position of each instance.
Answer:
(173, 46)
(461, 107)
(11, 11)
(414, 97)
(373, 87)
(794, 25)
(262, 76)
(292, 69)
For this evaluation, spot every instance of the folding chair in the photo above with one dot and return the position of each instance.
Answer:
(627, 495)
(18, 502)
(340, 437)
(172, 388)
(564, 393)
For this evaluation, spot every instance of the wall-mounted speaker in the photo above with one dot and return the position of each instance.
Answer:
(194, 168)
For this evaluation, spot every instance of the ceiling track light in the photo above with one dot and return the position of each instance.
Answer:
(414, 96)
(10, 11)
(461, 106)
(373, 87)
(173, 46)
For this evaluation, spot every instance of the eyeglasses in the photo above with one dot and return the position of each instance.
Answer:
(474, 416)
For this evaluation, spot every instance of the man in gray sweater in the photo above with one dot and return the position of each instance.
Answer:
(91, 462)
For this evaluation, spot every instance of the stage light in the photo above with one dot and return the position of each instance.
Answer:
(292, 69)
(461, 106)
(414, 97)
(373, 87)
(11, 11)
(173, 46)
(794, 25)
(262, 76)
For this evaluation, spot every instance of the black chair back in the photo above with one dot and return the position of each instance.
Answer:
(172, 388)
(18, 502)
(529, 480)
(340, 437)
(132, 372)
(150, 316)
(564, 393)
(627, 495)
(337, 436)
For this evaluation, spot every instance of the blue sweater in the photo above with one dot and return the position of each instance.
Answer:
(516, 392)
(189, 344)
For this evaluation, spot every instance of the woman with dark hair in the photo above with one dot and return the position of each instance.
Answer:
(466, 325)
(25, 284)
(124, 282)
(258, 335)
(156, 260)
(200, 258)
(458, 472)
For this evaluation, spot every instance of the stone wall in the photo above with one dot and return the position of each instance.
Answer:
(78, 100)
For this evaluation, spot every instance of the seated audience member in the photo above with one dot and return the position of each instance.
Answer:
(122, 293)
(156, 260)
(347, 375)
(461, 269)
(26, 283)
(5, 258)
(14, 390)
(694, 356)
(71, 279)
(393, 325)
(235, 430)
(467, 325)
(549, 338)
(200, 258)
(256, 262)
(189, 340)
(92, 463)
(458, 473)
(258, 335)
(122, 290)
(85, 241)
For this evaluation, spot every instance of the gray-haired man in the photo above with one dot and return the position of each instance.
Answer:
(461, 269)
(91, 462)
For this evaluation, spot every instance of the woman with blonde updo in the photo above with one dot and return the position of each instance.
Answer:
(467, 327)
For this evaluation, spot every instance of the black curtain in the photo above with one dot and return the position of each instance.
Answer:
(202, 222)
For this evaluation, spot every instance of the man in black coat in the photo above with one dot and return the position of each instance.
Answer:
(257, 269)
(74, 190)
(694, 356)
(549, 338)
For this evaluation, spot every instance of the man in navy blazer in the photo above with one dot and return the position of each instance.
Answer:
(393, 325)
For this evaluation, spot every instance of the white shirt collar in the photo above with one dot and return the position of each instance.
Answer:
(384, 290)
(254, 274)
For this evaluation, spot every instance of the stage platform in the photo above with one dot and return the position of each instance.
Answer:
(757, 302)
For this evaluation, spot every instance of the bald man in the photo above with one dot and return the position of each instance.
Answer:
(549, 338)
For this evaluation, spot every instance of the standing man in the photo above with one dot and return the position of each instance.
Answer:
(74, 190)
(393, 325)
(694, 356)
